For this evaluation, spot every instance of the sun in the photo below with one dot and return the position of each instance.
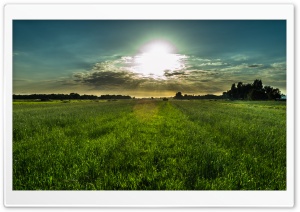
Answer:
(158, 47)
(157, 57)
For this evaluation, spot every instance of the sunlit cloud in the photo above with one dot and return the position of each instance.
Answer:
(150, 64)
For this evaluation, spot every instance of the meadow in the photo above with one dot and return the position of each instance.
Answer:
(149, 145)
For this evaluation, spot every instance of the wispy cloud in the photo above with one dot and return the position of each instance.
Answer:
(18, 53)
(240, 57)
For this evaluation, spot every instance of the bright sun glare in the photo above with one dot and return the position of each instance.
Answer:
(156, 58)
(158, 48)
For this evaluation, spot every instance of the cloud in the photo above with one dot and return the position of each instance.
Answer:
(255, 65)
(239, 57)
(19, 53)
(213, 64)
(168, 73)
(21, 80)
(242, 69)
(109, 79)
(109, 75)
(280, 65)
(195, 63)
(275, 73)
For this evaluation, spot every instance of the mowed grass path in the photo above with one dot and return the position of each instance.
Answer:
(149, 145)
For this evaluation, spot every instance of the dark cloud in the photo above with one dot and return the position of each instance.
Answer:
(109, 79)
(168, 73)
(199, 72)
(255, 66)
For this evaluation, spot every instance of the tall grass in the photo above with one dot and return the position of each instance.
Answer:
(149, 145)
(252, 137)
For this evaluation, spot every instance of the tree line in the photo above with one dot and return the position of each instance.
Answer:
(241, 91)
(46, 97)
(254, 91)
(179, 95)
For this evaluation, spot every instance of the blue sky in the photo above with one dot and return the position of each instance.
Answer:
(146, 58)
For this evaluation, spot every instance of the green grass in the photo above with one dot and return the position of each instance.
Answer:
(149, 145)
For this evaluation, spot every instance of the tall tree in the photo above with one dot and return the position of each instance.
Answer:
(233, 91)
(257, 84)
(240, 94)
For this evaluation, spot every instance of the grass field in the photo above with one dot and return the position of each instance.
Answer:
(149, 145)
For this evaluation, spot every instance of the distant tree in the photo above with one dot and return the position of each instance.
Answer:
(272, 93)
(257, 84)
(276, 93)
(246, 90)
(67, 96)
(74, 95)
(240, 93)
(225, 95)
(233, 92)
(254, 91)
(268, 90)
(255, 94)
(178, 95)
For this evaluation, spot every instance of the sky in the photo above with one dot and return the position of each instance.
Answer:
(145, 58)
